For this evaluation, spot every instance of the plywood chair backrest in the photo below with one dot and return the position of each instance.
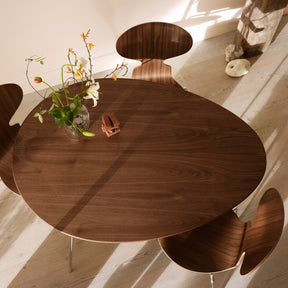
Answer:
(154, 40)
(213, 247)
(152, 43)
(10, 98)
(262, 237)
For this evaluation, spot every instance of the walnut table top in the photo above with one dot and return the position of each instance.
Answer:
(178, 162)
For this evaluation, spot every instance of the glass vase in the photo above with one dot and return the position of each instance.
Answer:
(81, 121)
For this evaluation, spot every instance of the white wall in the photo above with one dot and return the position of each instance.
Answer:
(49, 28)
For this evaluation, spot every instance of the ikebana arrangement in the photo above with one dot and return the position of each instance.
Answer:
(68, 108)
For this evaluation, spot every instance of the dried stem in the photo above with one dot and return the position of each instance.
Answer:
(27, 76)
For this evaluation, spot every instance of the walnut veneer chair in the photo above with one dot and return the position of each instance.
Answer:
(225, 242)
(10, 98)
(152, 43)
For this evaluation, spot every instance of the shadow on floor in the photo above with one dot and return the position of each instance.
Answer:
(48, 267)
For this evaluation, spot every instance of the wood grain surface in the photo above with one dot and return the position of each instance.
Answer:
(223, 242)
(10, 98)
(213, 247)
(152, 43)
(154, 40)
(178, 162)
(155, 70)
(262, 237)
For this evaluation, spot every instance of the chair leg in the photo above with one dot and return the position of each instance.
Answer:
(212, 280)
(70, 254)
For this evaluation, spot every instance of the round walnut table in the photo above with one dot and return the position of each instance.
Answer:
(178, 162)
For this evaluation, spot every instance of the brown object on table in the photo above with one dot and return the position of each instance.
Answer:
(152, 43)
(110, 124)
(257, 25)
(179, 162)
(220, 244)
(10, 98)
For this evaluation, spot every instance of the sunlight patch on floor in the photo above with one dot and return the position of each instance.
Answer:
(146, 269)
(171, 273)
(238, 281)
(21, 249)
(252, 99)
(271, 138)
(119, 257)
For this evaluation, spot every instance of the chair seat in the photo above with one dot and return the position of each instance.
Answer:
(220, 244)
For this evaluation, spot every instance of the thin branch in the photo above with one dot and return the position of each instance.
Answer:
(27, 76)
(118, 68)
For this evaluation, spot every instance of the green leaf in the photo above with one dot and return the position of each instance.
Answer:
(40, 117)
(55, 97)
(52, 107)
(58, 113)
(77, 101)
(66, 109)
(58, 121)
(88, 134)
(68, 119)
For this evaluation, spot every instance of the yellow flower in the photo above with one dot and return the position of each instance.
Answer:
(78, 74)
(91, 45)
(85, 36)
(114, 77)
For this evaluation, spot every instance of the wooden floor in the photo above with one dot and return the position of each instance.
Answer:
(32, 254)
